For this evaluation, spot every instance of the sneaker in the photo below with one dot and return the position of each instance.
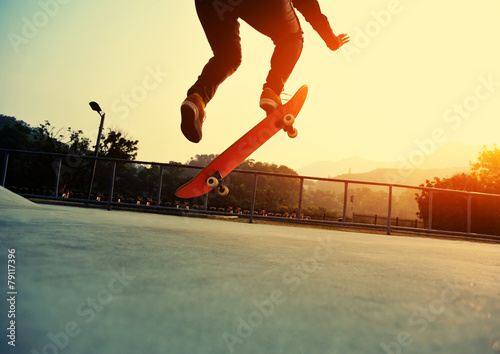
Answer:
(269, 101)
(193, 115)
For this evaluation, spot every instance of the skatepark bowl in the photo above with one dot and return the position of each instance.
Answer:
(88, 280)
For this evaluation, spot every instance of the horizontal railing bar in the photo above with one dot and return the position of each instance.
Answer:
(335, 180)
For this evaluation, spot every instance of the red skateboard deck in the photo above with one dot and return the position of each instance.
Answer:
(212, 175)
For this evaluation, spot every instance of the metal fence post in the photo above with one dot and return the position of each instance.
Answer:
(4, 168)
(58, 175)
(160, 183)
(92, 178)
(254, 194)
(112, 184)
(389, 212)
(469, 213)
(431, 194)
(346, 186)
(205, 202)
(299, 213)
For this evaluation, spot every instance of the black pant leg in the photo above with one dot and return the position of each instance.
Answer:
(222, 32)
(276, 19)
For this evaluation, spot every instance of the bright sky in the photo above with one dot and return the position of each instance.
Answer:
(415, 71)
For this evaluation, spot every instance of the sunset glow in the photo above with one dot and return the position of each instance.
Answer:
(411, 73)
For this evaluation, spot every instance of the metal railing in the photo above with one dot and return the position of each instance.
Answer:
(252, 215)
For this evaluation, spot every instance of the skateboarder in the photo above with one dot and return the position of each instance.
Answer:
(273, 18)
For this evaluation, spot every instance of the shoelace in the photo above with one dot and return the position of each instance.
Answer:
(286, 98)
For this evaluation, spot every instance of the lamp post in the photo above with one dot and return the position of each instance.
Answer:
(95, 107)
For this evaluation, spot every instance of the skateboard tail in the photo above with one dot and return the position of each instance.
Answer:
(197, 186)
(186, 193)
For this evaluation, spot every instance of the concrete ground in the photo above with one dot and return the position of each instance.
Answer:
(97, 281)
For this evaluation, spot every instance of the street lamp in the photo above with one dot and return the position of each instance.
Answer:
(95, 107)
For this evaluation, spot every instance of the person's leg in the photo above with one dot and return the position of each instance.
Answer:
(277, 20)
(222, 32)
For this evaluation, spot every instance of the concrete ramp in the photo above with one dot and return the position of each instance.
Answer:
(104, 282)
(10, 199)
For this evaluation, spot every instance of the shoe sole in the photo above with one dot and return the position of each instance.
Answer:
(190, 124)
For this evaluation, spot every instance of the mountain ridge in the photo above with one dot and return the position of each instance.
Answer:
(450, 155)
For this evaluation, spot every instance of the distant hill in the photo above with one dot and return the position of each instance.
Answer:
(345, 166)
(413, 177)
(452, 154)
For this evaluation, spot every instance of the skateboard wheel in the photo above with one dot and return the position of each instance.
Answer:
(223, 191)
(288, 119)
(212, 182)
(292, 133)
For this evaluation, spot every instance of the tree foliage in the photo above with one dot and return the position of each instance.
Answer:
(487, 170)
(74, 170)
(117, 146)
(449, 210)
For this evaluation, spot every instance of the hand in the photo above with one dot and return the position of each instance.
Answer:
(343, 39)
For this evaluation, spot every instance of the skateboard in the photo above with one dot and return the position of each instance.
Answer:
(212, 176)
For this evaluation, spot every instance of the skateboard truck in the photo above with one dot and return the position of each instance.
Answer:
(216, 181)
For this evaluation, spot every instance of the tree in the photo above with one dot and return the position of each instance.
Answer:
(116, 145)
(15, 134)
(78, 144)
(74, 170)
(487, 169)
(405, 205)
(47, 139)
(201, 160)
(7, 120)
(450, 209)
(321, 204)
